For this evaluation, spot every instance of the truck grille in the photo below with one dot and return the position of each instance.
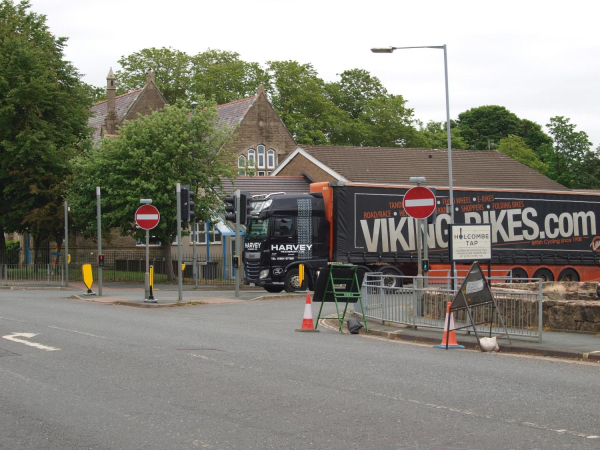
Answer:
(252, 270)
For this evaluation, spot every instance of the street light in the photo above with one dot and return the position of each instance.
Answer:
(450, 190)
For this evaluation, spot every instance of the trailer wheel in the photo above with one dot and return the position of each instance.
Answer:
(517, 275)
(292, 281)
(273, 288)
(544, 274)
(568, 275)
(392, 277)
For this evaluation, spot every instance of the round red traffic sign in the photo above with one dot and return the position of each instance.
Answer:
(147, 217)
(419, 202)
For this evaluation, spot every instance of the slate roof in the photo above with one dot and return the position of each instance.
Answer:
(232, 113)
(267, 184)
(122, 102)
(470, 168)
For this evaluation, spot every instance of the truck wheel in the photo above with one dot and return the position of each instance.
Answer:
(392, 277)
(568, 275)
(544, 274)
(273, 288)
(292, 281)
(517, 275)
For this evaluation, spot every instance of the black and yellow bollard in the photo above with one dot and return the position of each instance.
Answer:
(88, 278)
(151, 298)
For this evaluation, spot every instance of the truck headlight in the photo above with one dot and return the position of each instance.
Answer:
(263, 274)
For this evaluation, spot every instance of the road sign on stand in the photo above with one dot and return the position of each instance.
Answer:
(147, 217)
(419, 202)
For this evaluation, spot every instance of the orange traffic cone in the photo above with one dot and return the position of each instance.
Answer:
(449, 339)
(307, 322)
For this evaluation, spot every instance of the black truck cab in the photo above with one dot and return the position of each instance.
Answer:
(287, 230)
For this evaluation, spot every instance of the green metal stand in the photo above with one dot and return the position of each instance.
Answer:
(341, 286)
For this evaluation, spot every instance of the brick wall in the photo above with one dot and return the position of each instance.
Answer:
(300, 165)
(150, 100)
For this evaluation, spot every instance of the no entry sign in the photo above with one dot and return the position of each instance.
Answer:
(419, 202)
(147, 217)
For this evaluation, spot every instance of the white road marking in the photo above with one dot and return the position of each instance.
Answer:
(15, 338)
(79, 332)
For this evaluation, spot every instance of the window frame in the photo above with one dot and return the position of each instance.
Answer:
(260, 151)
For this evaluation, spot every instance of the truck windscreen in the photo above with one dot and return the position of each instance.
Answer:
(257, 228)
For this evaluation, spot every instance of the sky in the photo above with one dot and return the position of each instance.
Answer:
(539, 59)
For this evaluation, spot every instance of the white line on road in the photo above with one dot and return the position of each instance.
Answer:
(15, 338)
(79, 332)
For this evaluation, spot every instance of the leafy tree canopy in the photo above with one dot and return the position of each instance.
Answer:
(570, 161)
(515, 147)
(152, 155)
(172, 72)
(44, 108)
(435, 135)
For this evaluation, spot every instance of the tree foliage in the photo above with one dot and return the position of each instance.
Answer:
(517, 149)
(571, 161)
(172, 72)
(435, 135)
(483, 128)
(44, 108)
(152, 155)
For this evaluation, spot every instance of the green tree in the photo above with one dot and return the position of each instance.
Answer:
(300, 98)
(44, 108)
(435, 135)
(483, 127)
(223, 76)
(172, 72)
(370, 116)
(571, 158)
(517, 149)
(152, 155)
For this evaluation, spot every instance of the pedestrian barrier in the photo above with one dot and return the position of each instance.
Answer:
(31, 275)
(418, 302)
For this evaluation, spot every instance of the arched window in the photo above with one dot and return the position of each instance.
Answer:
(261, 156)
(251, 157)
(242, 165)
(271, 159)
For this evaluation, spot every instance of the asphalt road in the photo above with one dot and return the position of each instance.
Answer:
(237, 376)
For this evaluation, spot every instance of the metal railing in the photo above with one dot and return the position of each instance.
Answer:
(120, 266)
(31, 275)
(412, 301)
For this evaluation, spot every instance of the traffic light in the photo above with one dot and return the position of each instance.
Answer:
(230, 208)
(187, 205)
(101, 260)
(425, 265)
(245, 206)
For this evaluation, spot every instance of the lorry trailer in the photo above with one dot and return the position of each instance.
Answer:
(552, 235)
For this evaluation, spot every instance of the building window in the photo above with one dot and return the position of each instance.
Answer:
(153, 241)
(242, 165)
(251, 157)
(213, 234)
(261, 173)
(271, 159)
(261, 156)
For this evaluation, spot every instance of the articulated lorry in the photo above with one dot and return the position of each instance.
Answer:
(535, 234)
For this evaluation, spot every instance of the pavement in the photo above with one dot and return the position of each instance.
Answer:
(556, 344)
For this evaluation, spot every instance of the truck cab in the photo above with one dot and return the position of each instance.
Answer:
(283, 232)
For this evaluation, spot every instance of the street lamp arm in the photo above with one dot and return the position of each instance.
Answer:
(391, 49)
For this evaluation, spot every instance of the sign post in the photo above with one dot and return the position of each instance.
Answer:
(147, 217)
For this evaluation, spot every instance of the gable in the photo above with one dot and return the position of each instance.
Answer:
(99, 110)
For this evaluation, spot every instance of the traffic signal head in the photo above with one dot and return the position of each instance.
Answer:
(230, 208)
(101, 260)
(425, 265)
(187, 205)
(245, 206)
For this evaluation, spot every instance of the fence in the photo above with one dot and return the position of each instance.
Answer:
(120, 266)
(385, 299)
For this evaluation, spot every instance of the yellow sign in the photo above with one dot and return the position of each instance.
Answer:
(182, 267)
(69, 258)
(300, 274)
(88, 278)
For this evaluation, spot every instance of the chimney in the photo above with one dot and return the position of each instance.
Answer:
(260, 90)
(111, 109)
(150, 76)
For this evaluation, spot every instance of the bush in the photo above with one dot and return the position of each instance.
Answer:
(13, 249)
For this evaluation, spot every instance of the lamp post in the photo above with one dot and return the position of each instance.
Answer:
(450, 190)
(195, 225)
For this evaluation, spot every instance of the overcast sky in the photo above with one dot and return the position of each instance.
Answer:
(539, 59)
